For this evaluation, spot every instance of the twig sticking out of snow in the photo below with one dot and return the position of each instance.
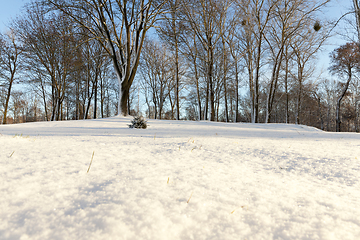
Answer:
(11, 154)
(243, 207)
(190, 197)
(91, 161)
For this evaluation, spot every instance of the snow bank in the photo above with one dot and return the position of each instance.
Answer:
(177, 180)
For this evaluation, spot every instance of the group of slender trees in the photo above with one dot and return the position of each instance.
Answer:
(218, 60)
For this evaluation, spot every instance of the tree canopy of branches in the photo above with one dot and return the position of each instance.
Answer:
(10, 65)
(120, 26)
(345, 60)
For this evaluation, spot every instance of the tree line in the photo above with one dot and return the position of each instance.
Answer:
(218, 60)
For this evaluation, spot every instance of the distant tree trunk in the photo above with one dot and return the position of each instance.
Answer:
(273, 85)
(318, 99)
(286, 86)
(197, 91)
(256, 87)
(338, 103)
(211, 84)
(236, 92)
(224, 79)
(177, 78)
(95, 99)
(8, 94)
(206, 117)
(43, 95)
(299, 93)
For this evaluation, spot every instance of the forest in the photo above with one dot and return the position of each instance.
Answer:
(219, 60)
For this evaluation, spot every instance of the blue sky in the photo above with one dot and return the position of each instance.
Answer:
(10, 9)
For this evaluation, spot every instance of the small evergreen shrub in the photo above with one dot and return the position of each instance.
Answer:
(138, 122)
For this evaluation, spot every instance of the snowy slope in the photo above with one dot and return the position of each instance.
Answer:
(177, 180)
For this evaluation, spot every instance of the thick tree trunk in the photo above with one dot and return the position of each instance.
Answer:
(338, 121)
(123, 97)
(7, 101)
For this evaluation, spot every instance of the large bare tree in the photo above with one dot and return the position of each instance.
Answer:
(120, 26)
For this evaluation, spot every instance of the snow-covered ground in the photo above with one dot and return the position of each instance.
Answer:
(177, 180)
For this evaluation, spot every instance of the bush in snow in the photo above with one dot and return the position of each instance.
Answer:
(138, 122)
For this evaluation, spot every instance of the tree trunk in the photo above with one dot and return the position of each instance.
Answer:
(206, 117)
(286, 89)
(298, 101)
(273, 85)
(44, 101)
(95, 99)
(197, 91)
(123, 97)
(257, 76)
(321, 116)
(7, 101)
(338, 104)
(224, 79)
(211, 86)
(177, 79)
(236, 92)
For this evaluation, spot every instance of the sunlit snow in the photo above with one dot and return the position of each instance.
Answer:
(177, 180)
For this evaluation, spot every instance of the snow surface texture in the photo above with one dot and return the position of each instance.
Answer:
(177, 180)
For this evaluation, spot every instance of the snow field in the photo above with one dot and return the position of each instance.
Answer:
(177, 180)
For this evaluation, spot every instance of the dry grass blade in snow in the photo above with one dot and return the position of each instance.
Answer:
(91, 161)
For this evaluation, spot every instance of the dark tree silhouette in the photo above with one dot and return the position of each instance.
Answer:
(344, 60)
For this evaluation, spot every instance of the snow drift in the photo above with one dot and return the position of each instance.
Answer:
(177, 180)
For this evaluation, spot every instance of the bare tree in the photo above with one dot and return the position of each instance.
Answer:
(120, 26)
(203, 18)
(10, 65)
(256, 18)
(170, 30)
(49, 52)
(344, 60)
(236, 54)
(156, 72)
(191, 53)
